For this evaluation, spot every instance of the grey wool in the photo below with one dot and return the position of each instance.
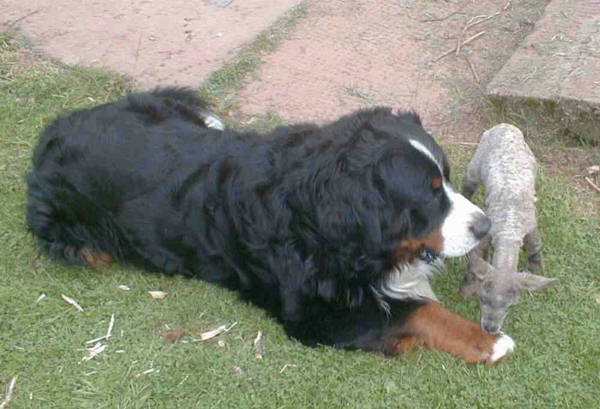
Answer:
(505, 166)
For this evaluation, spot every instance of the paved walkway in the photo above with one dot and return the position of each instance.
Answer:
(560, 62)
(343, 55)
(157, 42)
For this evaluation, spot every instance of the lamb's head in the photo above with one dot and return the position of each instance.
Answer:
(497, 293)
(499, 290)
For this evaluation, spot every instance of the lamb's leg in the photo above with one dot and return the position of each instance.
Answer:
(469, 187)
(471, 180)
(533, 248)
(470, 285)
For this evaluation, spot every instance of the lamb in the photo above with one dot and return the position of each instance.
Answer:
(506, 167)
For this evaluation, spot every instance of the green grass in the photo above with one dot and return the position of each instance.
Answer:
(556, 364)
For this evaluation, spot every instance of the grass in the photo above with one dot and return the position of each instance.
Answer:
(556, 364)
(547, 118)
(565, 154)
(357, 93)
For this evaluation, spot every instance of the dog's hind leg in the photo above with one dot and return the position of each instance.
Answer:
(69, 226)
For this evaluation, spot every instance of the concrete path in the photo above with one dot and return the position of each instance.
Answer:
(560, 62)
(157, 42)
(343, 54)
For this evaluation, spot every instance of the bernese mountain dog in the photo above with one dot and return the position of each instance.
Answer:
(334, 229)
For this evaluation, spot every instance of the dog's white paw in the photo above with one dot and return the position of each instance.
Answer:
(503, 346)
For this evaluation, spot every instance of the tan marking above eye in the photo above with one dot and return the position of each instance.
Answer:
(436, 182)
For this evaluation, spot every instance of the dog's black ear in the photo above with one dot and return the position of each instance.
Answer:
(365, 134)
(403, 179)
(367, 131)
(370, 134)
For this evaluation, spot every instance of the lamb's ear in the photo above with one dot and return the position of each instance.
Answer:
(534, 282)
(479, 266)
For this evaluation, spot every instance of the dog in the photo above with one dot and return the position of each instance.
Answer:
(334, 229)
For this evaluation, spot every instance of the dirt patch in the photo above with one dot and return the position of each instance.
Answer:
(349, 54)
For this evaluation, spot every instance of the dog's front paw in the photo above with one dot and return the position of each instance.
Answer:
(503, 346)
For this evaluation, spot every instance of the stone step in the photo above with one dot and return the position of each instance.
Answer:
(558, 68)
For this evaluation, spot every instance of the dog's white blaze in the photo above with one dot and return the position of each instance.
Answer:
(423, 149)
(412, 281)
(456, 232)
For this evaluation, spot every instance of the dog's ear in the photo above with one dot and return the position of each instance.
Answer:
(403, 178)
(368, 134)
(356, 152)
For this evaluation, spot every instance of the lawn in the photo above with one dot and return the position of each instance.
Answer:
(43, 339)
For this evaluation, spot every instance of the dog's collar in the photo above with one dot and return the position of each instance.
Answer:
(428, 256)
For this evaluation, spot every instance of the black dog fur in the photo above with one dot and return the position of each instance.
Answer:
(304, 221)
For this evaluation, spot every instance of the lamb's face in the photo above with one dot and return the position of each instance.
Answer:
(496, 296)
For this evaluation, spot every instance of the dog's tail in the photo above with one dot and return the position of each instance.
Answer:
(163, 102)
(68, 225)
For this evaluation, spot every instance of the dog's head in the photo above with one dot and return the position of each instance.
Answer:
(371, 194)
(413, 174)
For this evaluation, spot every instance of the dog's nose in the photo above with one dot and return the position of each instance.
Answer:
(481, 227)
